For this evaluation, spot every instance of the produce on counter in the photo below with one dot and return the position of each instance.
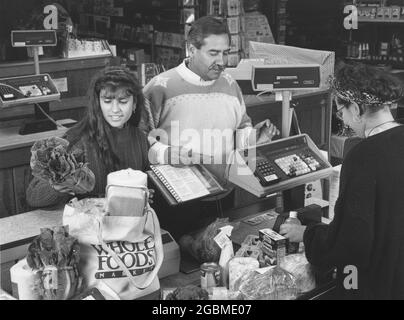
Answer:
(301, 269)
(238, 266)
(189, 292)
(56, 255)
(202, 245)
(271, 283)
(51, 160)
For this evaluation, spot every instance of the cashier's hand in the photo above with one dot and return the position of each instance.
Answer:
(179, 156)
(293, 232)
(265, 131)
(151, 196)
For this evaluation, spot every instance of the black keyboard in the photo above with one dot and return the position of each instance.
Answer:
(8, 93)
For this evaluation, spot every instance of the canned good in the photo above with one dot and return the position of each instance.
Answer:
(210, 275)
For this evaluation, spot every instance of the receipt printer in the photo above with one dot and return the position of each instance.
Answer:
(285, 77)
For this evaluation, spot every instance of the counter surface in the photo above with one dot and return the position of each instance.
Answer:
(19, 230)
(11, 139)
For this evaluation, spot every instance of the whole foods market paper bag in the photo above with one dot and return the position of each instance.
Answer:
(124, 253)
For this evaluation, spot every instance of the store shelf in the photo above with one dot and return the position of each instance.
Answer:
(145, 43)
(380, 21)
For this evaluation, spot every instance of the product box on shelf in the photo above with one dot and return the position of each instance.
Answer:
(387, 13)
(233, 24)
(380, 13)
(395, 12)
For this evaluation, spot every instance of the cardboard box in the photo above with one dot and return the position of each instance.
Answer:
(235, 43)
(233, 7)
(233, 24)
(273, 245)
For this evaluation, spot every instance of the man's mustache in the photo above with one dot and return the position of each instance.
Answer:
(217, 67)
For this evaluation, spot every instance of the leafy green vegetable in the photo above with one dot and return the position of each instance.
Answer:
(51, 161)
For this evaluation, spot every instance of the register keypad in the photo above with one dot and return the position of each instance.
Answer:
(297, 164)
(266, 173)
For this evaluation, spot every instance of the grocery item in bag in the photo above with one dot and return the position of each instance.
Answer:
(126, 193)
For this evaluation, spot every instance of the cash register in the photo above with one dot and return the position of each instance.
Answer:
(29, 89)
(278, 165)
(37, 89)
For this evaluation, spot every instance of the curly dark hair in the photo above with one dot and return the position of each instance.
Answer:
(93, 125)
(370, 87)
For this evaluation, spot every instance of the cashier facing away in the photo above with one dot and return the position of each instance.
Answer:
(365, 241)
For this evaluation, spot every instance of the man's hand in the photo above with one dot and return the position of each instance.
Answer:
(293, 232)
(265, 131)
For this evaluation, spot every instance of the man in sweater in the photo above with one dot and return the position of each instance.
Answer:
(195, 112)
(196, 102)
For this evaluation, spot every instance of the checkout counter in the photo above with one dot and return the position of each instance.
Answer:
(19, 230)
(313, 108)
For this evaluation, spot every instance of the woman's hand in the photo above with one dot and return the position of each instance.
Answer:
(293, 232)
(151, 196)
(63, 188)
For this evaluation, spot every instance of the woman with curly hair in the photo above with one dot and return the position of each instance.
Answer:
(365, 240)
(108, 135)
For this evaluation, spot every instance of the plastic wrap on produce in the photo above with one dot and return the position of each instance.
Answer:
(271, 283)
(301, 269)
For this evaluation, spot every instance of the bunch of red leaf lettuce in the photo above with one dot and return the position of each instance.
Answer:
(51, 161)
(56, 256)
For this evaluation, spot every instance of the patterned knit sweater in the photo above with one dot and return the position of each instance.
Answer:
(185, 111)
(193, 113)
(129, 144)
